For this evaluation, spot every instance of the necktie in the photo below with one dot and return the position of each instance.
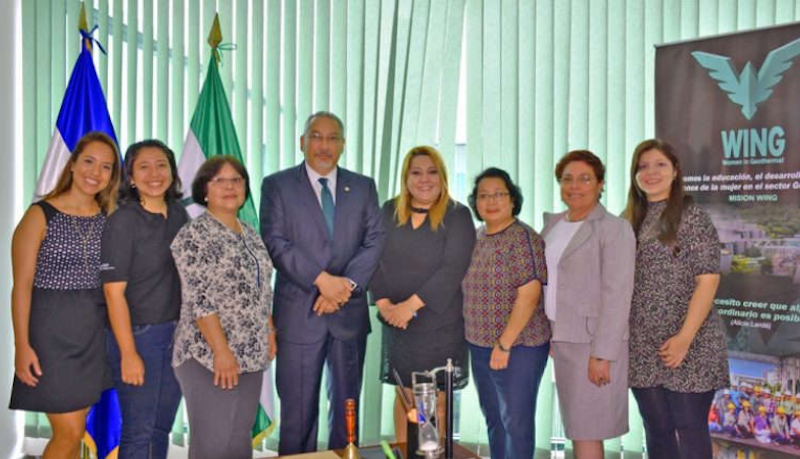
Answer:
(328, 207)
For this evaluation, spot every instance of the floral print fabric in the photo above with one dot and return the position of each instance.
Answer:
(225, 273)
(664, 284)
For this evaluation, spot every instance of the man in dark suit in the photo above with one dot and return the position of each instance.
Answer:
(322, 226)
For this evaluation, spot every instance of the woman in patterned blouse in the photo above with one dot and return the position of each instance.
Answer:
(56, 301)
(225, 339)
(677, 342)
(508, 332)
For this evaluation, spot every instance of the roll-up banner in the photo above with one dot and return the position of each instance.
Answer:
(731, 106)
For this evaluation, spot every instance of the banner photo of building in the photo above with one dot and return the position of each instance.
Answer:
(731, 107)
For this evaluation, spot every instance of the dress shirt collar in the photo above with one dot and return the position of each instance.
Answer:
(314, 176)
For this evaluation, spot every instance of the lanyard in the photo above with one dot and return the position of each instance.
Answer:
(255, 259)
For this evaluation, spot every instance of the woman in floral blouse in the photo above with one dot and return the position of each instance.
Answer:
(506, 327)
(225, 339)
(677, 340)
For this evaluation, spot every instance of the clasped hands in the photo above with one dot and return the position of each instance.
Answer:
(397, 315)
(334, 292)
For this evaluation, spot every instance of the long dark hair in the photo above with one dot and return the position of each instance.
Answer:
(678, 200)
(127, 193)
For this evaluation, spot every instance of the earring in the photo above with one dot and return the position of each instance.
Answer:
(205, 199)
(133, 185)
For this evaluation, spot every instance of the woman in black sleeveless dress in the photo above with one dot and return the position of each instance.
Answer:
(57, 305)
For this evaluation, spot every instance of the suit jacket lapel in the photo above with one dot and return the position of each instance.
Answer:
(308, 199)
(581, 236)
(550, 221)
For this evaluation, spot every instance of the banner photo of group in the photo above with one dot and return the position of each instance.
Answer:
(729, 104)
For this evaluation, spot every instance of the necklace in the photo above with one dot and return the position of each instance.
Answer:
(239, 225)
(84, 239)
(569, 219)
(162, 211)
(419, 210)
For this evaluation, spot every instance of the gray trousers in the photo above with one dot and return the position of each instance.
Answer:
(220, 420)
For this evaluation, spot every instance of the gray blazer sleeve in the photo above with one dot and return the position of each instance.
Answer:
(617, 262)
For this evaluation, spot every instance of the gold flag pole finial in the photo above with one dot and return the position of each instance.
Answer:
(84, 27)
(215, 37)
(82, 24)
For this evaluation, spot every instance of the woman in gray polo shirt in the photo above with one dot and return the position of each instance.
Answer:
(142, 291)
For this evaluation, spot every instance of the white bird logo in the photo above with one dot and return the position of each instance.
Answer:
(748, 89)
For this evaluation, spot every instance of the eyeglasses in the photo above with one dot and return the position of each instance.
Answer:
(316, 137)
(223, 181)
(494, 197)
(582, 179)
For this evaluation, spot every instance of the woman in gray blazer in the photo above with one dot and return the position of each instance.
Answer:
(590, 260)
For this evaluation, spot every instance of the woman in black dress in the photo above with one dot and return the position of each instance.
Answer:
(56, 302)
(417, 287)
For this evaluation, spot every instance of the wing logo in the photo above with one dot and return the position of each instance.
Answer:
(751, 87)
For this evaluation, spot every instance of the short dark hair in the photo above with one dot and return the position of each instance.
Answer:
(585, 156)
(127, 193)
(323, 114)
(209, 170)
(514, 191)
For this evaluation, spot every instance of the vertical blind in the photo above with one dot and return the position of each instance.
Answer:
(514, 84)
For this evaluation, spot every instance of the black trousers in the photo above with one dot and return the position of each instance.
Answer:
(675, 423)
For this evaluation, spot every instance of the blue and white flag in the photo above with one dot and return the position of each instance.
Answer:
(83, 110)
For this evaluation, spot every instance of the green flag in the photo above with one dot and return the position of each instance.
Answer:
(211, 133)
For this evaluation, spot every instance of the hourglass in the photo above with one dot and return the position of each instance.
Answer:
(423, 385)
